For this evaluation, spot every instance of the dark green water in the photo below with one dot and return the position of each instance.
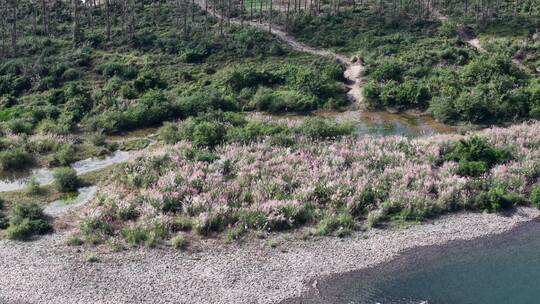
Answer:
(501, 269)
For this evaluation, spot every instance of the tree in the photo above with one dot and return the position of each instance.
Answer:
(108, 19)
(14, 6)
(76, 21)
(45, 17)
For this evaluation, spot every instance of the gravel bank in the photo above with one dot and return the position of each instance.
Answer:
(48, 271)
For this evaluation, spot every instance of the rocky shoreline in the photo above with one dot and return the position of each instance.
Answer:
(48, 271)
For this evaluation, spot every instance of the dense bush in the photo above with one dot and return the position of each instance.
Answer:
(495, 199)
(279, 101)
(3, 218)
(318, 128)
(26, 220)
(66, 179)
(476, 156)
(535, 196)
(65, 155)
(14, 159)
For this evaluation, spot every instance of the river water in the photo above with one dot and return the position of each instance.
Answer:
(495, 270)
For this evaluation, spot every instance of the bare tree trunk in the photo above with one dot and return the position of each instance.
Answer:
(242, 11)
(192, 13)
(177, 12)
(228, 12)
(221, 19)
(205, 15)
(3, 18)
(76, 25)
(186, 29)
(34, 17)
(45, 17)
(271, 15)
(108, 19)
(260, 11)
(287, 15)
(14, 11)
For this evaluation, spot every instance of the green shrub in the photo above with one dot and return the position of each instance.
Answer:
(234, 233)
(279, 101)
(366, 199)
(33, 187)
(136, 235)
(26, 220)
(496, 199)
(182, 223)
(535, 196)
(209, 222)
(472, 168)
(92, 258)
(74, 240)
(254, 130)
(203, 132)
(318, 128)
(3, 219)
(65, 155)
(476, 156)
(66, 179)
(148, 236)
(92, 226)
(149, 80)
(330, 223)
(15, 159)
(179, 242)
(169, 133)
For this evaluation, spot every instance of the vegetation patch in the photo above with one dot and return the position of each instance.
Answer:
(336, 186)
(27, 220)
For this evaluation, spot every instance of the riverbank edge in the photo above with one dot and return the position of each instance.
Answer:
(47, 270)
(405, 261)
(399, 260)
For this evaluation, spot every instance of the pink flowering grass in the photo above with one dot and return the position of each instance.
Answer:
(261, 186)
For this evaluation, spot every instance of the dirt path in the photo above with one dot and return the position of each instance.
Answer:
(469, 37)
(354, 69)
(466, 35)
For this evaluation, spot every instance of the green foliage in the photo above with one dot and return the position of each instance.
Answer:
(65, 155)
(535, 196)
(74, 240)
(279, 101)
(14, 159)
(255, 129)
(234, 233)
(476, 156)
(332, 222)
(203, 133)
(91, 226)
(149, 236)
(318, 128)
(211, 222)
(179, 242)
(26, 220)
(496, 199)
(66, 179)
(33, 187)
(3, 218)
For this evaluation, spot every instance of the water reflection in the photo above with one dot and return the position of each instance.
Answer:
(372, 123)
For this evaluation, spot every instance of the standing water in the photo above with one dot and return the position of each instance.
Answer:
(44, 176)
(61, 206)
(495, 270)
